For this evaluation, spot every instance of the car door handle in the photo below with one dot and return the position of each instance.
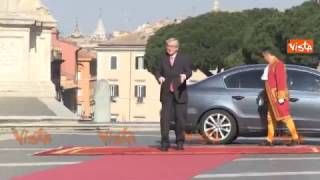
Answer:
(293, 99)
(237, 97)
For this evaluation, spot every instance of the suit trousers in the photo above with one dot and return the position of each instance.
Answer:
(172, 111)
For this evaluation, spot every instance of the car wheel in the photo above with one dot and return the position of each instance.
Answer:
(218, 127)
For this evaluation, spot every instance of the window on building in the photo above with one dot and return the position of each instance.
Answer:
(79, 75)
(114, 117)
(140, 63)
(113, 62)
(140, 92)
(114, 90)
(93, 68)
(92, 107)
(139, 118)
(79, 92)
(79, 109)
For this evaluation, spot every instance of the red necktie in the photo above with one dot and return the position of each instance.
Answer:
(171, 63)
(171, 60)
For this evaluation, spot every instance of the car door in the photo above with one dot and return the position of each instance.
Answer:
(245, 88)
(305, 99)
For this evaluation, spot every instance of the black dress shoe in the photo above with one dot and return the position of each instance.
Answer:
(293, 143)
(180, 147)
(164, 148)
(266, 143)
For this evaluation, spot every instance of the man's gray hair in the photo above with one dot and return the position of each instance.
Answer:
(172, 39)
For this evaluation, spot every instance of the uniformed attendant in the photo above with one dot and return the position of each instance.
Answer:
(277, 96)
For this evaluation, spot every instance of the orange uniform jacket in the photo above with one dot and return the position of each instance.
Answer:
(276, 88)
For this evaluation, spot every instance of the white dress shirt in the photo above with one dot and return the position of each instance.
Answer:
(264, 76)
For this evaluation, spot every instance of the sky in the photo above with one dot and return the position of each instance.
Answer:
(126, 15)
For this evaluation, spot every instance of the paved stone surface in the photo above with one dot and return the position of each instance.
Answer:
(23, 106)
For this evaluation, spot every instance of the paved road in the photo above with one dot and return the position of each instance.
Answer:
(17, 160)
(262, 167)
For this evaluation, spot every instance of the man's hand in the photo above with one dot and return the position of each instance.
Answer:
(161, 79)
(183, 77)
(280, 101)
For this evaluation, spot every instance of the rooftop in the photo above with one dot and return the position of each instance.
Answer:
(140, 36)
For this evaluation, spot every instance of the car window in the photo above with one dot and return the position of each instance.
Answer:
(303, 81)
(247, 79)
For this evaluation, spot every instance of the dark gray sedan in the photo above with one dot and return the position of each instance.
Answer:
(226, 106)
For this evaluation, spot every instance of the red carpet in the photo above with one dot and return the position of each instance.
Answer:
(134, 167)
(200, 150)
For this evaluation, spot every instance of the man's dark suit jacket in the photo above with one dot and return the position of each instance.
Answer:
(182, 65)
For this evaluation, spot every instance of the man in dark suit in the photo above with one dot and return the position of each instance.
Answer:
(173, 71)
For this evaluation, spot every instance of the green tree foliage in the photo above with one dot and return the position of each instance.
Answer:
(302, 22)
(228, 39)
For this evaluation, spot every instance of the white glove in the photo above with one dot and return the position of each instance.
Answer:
(161, 79)
(260, 102)
(281, 101)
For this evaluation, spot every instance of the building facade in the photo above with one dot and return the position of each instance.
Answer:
(66, 50)
(86, 80)
(134, 91)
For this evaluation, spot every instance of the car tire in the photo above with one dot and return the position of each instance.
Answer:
(218, 127)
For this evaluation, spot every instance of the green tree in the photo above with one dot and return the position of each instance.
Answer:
(302, 22)
(225, 39)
